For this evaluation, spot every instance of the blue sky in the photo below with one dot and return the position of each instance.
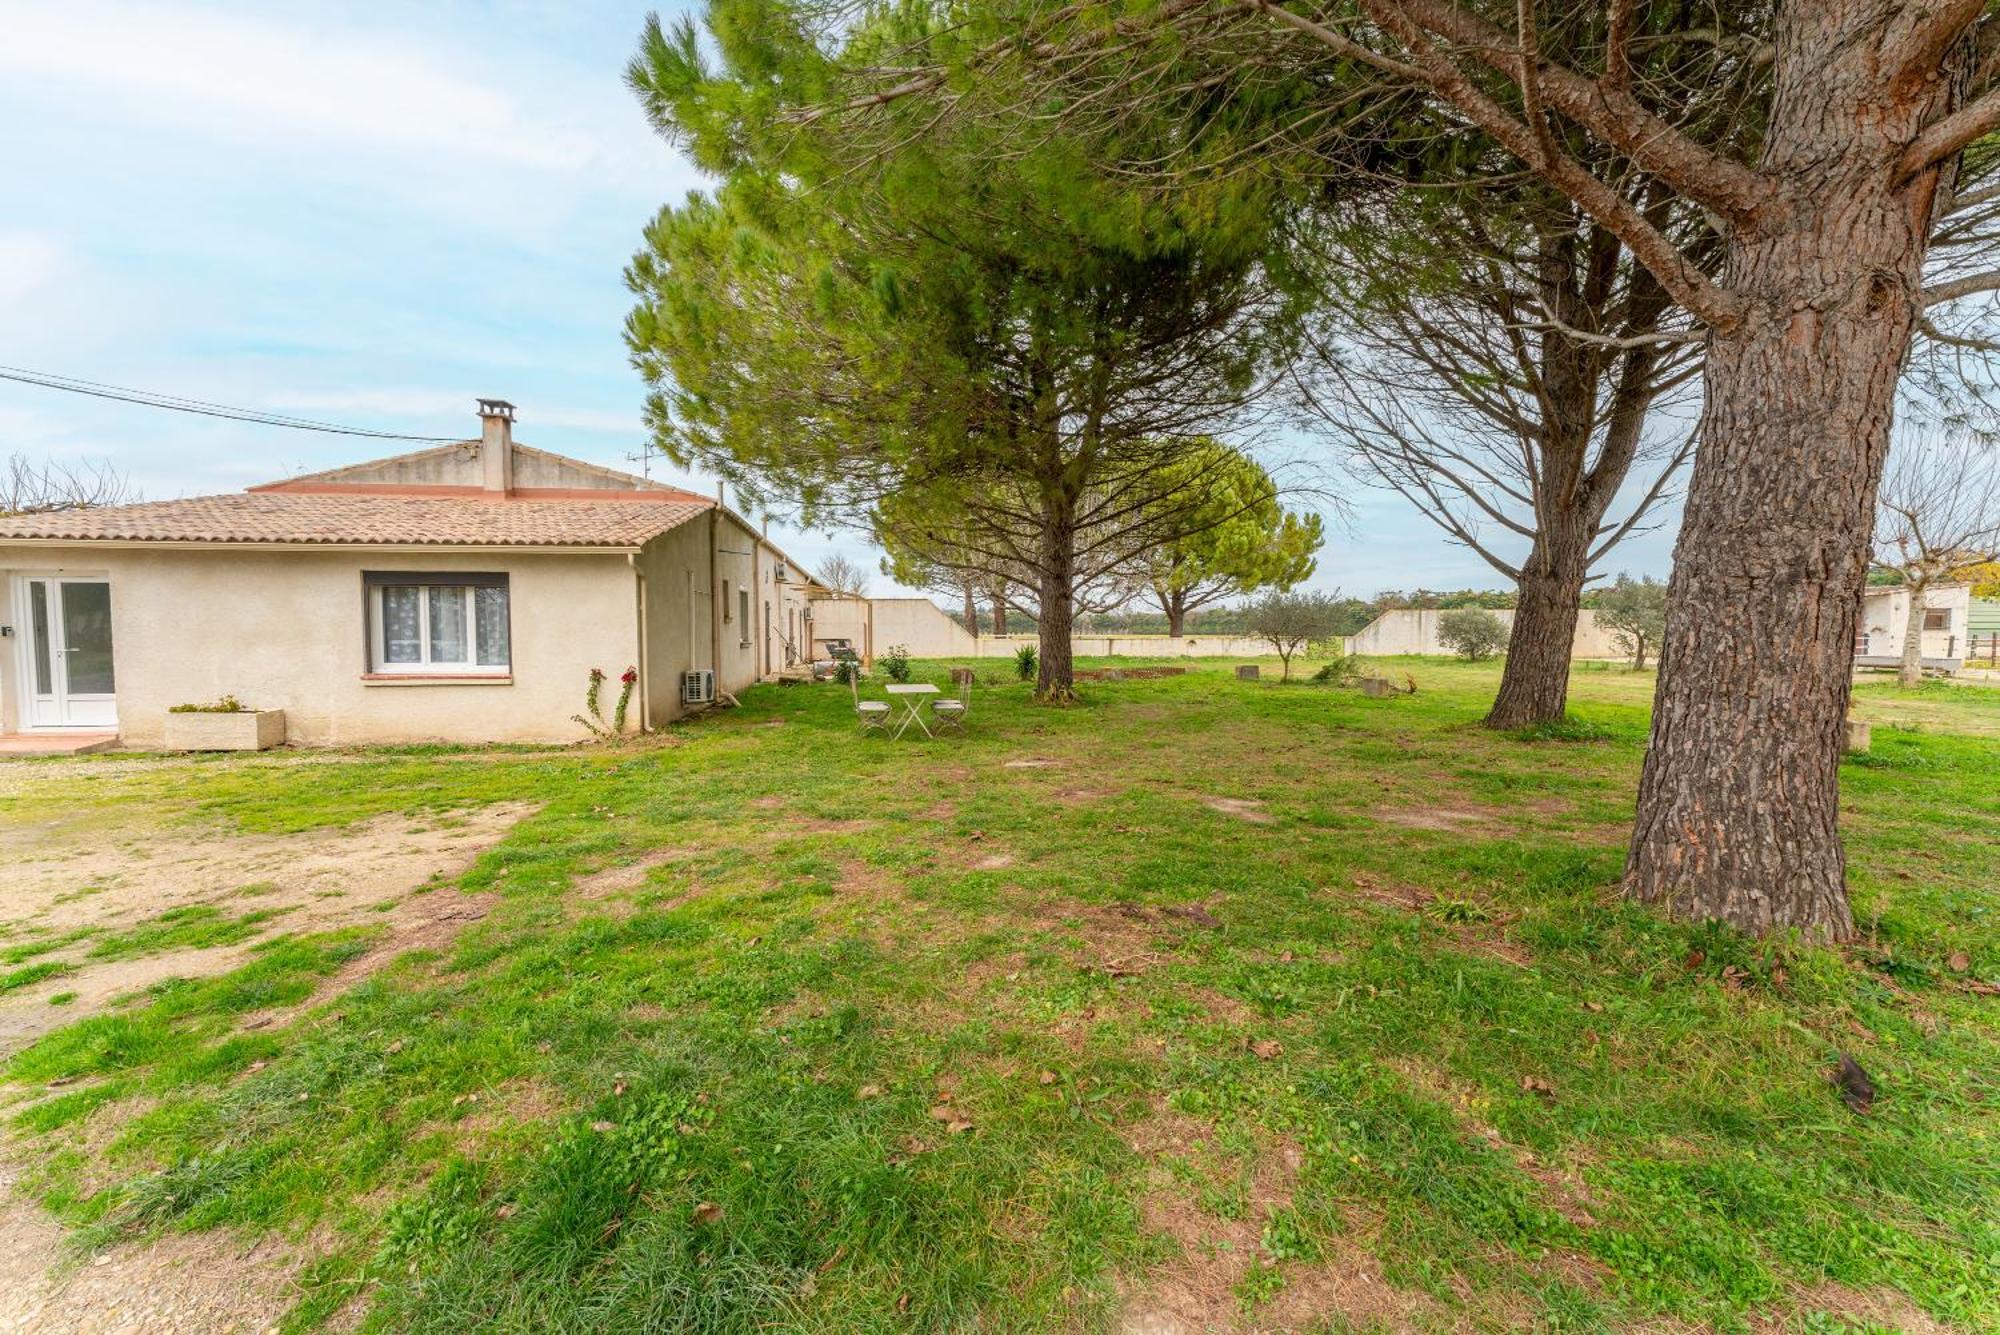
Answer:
(369, 214)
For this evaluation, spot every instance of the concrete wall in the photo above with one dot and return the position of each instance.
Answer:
(874, 625)
(1885, 614)
(1415, 631)
(285, 630)
(1137, 646)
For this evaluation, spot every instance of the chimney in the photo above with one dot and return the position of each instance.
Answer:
(496, 445)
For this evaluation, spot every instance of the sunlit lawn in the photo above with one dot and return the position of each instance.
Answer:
(1203, 1002)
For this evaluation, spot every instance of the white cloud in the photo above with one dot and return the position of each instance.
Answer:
(256, 79)
(31, 264)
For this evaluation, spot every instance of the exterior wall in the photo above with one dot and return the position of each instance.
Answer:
(1415, 631)
(681, 601)
(286, 630)
(873, 625)
(673, 573)
(1885, 616)
(1137, 646)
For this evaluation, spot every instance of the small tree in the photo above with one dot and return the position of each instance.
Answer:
(1939, 512)
(1291, 621)
(1636, 612)
(1472, 633)
(30, 488)
(842, 575)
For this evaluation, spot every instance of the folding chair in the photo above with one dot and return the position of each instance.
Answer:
(873, 714)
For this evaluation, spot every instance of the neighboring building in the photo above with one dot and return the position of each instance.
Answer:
(1885, 619)
(1414, 630)
(873, 625)
(462, 593)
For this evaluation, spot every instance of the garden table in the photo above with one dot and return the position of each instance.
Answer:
(914, 691)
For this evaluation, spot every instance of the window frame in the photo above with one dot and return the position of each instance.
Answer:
(1943, 615)
(374, 584)
(743, 618)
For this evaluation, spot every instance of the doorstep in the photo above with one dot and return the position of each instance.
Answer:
(56, 743)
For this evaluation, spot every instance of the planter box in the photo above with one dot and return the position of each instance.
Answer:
(246, 730)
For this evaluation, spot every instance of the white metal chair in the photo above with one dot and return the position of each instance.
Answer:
(950, 711)
(873, 714)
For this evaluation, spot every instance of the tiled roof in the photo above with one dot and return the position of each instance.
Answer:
(335, 520)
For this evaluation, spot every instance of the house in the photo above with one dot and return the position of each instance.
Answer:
(1885, 619)
(462, 593)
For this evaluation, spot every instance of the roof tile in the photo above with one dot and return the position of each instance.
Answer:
(314, 518)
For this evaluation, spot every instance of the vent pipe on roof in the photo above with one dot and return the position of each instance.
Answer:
(496, 445)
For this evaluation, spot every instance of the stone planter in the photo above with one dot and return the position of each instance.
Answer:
(245, 730)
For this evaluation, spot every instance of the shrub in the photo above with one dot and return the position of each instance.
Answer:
(228, 704)
(1472, 633)
(1340, 670)
(846, 669)
(1024, 662)
(896, 662)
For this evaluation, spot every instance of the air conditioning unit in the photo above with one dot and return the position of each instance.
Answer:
(698, 688)
(779, 574)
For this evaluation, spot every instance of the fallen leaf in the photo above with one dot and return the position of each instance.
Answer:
(60, 1081)
(1694, 959)
(604, 1234)
(1048, 1077)
(257, 1066)
(902, 1302)
(868, 1092)
(506, 1211)
(601, 1127)
(1285, 958)
(707, 1212)
(1267, 1048)
(1959, 961)
(976, 835)
(1857, 1091)
(1537, 1085)
(1779, 974)
(1732, 977)
(618, 1089)
(545, 1047)
(943, 1112)
(957, 1125)
(833, 1260)
(1594, 1007)
(396, 1047)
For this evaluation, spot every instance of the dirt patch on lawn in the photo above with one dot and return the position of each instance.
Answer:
(1197, 1290)
(1875, 1307)
(1447, 820)
(208, 1282)
(1243, 808)
(383, 873)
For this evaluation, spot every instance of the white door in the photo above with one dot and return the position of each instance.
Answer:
(66, 644)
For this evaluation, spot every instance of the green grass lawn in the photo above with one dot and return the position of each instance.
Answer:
(1204, 1002)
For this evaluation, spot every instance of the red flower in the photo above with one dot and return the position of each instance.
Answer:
(631, 675)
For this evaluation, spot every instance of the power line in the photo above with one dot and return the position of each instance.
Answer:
(200, 407)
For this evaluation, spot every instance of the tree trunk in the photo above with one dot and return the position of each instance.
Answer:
(1911, 671)
(1738, 801)
(971, 613)
(999, 606)
(1534, 684)
(1176, 609)
(1054, 677)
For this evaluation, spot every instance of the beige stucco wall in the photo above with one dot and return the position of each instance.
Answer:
(285, 630)
(1415, 631)
(681, 601)
(1885, 619)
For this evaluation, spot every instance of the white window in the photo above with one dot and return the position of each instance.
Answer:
(743, 616)
(429, 624)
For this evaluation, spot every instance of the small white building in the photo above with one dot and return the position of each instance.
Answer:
(1885, 619)
(1414, 630)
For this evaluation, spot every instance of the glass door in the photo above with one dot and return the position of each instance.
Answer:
(68, 649)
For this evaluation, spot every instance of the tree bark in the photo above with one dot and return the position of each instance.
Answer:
(1534, 683)
(970, 613)
(1176, 609)
(1055, 680)
(1911, 671)
(999, 610)
(1738, 801)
